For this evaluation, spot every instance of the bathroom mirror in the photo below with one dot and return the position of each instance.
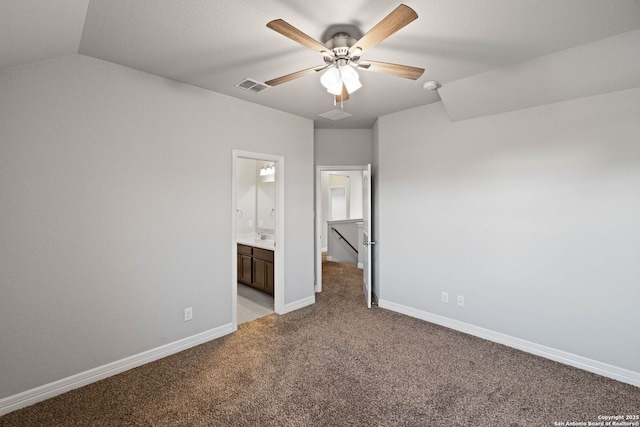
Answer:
(266, 205)
(256, 196)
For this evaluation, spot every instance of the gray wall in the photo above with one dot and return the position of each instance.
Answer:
(115, 213)
(342, 147)
(533, 216)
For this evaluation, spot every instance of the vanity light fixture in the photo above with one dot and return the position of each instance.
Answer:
(268, 169)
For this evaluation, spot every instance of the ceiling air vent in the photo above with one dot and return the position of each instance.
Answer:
(252, 86)
(335, 115)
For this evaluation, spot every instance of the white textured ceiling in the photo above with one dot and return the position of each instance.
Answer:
(216, 43)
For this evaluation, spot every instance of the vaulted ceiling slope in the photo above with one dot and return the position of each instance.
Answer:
(489, 56)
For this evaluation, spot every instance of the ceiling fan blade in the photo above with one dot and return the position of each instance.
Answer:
(296, 75)
(398, 18)
(288, 30)
(397, 70)
(344, 95)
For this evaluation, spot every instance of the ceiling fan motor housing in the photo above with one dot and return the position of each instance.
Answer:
(340, 39)
(339, 44)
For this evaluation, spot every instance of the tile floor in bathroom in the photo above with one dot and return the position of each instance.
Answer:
(252, 304)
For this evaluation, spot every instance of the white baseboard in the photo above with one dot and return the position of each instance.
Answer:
(296, 305)
(594, 366)
(330, 258)
(38, 394)
(361, 265)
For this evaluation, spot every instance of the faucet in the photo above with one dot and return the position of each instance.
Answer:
(263, 236)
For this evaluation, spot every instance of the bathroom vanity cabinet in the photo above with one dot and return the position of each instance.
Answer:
(255, 268)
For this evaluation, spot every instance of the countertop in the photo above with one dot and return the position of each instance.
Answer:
(257, 243)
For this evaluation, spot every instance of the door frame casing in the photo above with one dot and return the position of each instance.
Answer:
(318, 213)
(278, 253)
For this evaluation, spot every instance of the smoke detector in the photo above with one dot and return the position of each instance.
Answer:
(431, 85)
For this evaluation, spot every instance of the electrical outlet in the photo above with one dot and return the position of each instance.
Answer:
(460, 300)
(188, 314)
(445, 297)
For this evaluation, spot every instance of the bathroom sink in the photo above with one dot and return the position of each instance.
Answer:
(267, 243)
(257, 242)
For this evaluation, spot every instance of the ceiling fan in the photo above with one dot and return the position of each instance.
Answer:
(342, 54)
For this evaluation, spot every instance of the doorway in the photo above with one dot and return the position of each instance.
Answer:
(257, 186)
(354, 202)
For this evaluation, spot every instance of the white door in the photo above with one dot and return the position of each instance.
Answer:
(366, 228)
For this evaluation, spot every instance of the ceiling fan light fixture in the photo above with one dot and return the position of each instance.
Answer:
(332, 81)
(334, 78)
(350, 78)
(348, 73)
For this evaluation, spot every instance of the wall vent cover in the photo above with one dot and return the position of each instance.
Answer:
(252, 85)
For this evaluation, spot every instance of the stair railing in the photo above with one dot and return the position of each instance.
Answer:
(345, 240)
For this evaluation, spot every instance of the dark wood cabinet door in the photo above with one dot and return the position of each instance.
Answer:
(263, 275)
(244, 269)
(269, 279)
(259, 274)
(255, 268)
